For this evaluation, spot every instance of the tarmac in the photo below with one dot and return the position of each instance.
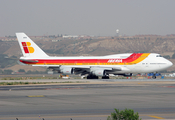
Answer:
(88, 99)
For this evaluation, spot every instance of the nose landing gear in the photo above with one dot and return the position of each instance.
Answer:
(154, 76)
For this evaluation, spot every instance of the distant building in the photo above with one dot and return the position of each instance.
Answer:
(70, 36)
(18, 73)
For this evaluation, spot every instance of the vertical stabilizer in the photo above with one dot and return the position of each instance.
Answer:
(28, 47)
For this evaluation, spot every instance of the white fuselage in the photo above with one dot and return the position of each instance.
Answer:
(152, 63)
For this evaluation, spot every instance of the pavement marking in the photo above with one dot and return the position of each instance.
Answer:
(156, 117)
(36, 96)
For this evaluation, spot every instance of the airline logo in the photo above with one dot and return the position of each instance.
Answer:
(115, 60)
(27, 47)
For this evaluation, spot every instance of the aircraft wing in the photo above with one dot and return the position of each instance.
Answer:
(84, 69)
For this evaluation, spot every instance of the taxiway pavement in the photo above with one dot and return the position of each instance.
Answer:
(153, 99)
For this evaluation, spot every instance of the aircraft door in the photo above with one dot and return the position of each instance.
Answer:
(145, 66)
(142, 67)
(147, 63)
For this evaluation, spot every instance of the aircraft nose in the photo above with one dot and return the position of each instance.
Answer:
(170, 64)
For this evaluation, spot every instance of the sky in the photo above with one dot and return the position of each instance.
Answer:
(87, 17)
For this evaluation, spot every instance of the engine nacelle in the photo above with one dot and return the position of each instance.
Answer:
(99, 72)
(125, 74)
(67, 71)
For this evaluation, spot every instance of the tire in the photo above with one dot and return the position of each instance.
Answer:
(92, 77)
(105, 77)
(154, 77)
(88, 77)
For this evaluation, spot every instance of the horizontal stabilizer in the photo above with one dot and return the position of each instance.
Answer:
(31, 61)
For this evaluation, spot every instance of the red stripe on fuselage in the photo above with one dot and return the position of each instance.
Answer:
(131, 58)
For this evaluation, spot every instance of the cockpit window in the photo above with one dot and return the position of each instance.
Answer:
(158, 56)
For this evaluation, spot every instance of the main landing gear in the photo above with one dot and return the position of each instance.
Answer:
(91, 76)
(105, 77)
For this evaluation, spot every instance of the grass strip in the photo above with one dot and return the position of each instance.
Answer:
(27, 78)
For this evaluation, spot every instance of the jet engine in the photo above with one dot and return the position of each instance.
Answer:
(99, 72)
(67, 71)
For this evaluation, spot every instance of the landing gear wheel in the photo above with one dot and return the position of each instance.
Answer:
(88, 77)
(92, 76)
(96, 77)
(105, 77)
(154, 76)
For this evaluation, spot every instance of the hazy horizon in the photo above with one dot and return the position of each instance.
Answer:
(92, 17)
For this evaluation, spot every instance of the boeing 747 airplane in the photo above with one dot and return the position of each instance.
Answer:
(92, 66)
